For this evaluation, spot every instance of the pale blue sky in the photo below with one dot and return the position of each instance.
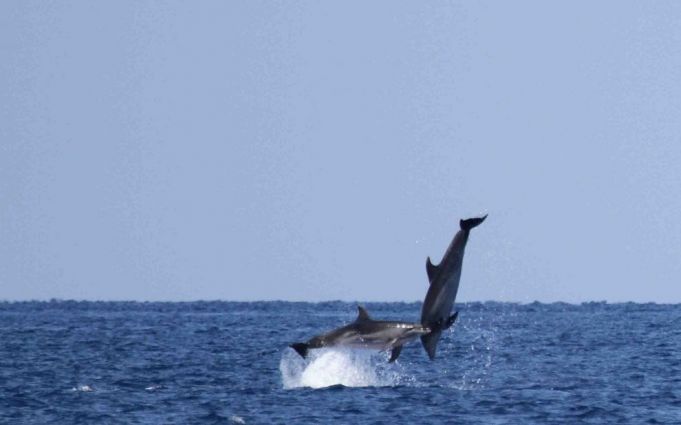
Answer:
(248, 150)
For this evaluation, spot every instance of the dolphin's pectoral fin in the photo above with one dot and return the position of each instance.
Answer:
(395, 353)
(301, 348)
(451, 320)
(362, 314)
(442, 324)
(431, 270)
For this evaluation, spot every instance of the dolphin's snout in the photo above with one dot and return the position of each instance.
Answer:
(423, 330)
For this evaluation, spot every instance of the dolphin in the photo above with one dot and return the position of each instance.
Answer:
(365, 332)
(444, 284)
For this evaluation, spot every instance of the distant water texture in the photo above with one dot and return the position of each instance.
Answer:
(225, 362)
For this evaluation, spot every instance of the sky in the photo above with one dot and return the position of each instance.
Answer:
(307, 150)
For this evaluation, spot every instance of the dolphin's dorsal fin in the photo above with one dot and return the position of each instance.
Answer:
(362, 314)
(431, 270)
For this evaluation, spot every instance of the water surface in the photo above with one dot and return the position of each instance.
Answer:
(228, 362)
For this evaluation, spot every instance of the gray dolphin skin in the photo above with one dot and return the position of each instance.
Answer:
(444, 284)
(366, 333)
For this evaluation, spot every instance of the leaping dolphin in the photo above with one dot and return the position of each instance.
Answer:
(365, 332)
(444, 284)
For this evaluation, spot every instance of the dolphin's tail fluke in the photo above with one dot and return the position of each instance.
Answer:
(301, 348)
(470, 223)
(430, 342)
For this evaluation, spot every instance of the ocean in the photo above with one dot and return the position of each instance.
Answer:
(67, 362)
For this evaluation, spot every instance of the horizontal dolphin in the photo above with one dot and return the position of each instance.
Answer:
(366, 333)
(444, 284)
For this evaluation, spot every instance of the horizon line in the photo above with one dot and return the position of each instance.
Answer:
(72, 300)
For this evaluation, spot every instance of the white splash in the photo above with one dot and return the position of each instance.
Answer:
(334, 366)
(83, 388)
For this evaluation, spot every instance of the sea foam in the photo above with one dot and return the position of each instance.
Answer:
(334, 366)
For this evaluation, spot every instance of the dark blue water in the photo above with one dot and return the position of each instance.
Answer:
(224, 362)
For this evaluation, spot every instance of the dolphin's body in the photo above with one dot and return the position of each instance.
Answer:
(444, 284)
(366, 333)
